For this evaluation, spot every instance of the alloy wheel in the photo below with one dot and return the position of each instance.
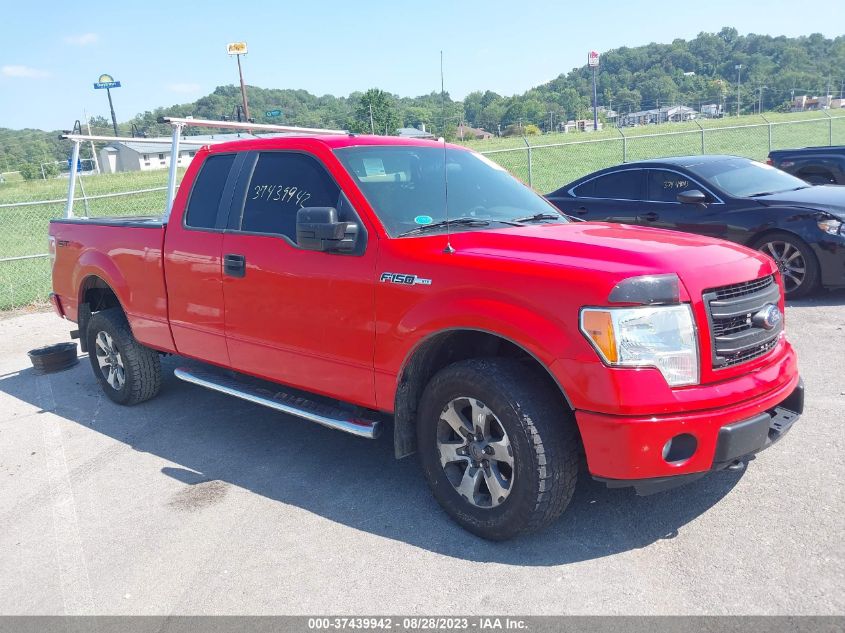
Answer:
(790, 261)
(475, 452)
(110, 360)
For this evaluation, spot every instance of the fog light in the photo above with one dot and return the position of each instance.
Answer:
(680, 448)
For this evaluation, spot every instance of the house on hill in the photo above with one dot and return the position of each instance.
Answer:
(412, 132)
(467, 133)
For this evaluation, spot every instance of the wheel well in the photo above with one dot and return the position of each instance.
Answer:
(97, 294)
(441, 350)
(94, 295)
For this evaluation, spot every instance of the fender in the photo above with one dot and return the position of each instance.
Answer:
(94, 263)
(543, 336)
(147, 329)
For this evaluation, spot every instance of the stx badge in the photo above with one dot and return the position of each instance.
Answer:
(405, 280)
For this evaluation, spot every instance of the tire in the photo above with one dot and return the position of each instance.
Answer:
(527, 415)
(127, 371)
(791, 253)
(820, 178)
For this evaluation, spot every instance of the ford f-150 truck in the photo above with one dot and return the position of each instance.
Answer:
(359, 280)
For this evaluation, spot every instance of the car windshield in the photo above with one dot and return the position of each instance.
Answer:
(406, 186)
(744, 178)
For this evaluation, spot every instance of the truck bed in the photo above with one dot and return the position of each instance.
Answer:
(126, 253)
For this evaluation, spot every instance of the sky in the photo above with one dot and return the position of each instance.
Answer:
(169, 52)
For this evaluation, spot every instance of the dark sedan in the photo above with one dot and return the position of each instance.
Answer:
(801, 227)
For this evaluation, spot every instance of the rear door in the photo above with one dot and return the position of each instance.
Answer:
(193, 265)
(617, 196)
(299, 317)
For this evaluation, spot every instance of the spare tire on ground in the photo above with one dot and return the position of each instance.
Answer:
(53, 358)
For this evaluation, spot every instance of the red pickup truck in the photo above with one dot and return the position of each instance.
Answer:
(357, 280)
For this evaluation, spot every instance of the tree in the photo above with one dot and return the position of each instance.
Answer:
(375, 112)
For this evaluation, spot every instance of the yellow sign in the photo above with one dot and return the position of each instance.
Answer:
(236, 48)
(104, 79)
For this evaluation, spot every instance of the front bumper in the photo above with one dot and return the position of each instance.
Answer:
(637, 451)
(830, 253)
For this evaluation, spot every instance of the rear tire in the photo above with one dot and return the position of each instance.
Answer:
(515, 471)
(127, 371)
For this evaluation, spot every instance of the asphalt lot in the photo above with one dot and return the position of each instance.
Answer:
(196, 503)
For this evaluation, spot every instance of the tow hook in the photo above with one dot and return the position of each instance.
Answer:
(737, 465)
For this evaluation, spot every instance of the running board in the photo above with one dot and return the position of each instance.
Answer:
(325, 414)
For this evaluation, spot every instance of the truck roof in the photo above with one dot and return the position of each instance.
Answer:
(332, 141)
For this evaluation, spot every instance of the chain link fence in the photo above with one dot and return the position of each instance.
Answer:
(548, 166)
(24, 260)
(27, 208)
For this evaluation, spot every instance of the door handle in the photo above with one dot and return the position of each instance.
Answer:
(234, 265)
(581, 210)
(651, 216)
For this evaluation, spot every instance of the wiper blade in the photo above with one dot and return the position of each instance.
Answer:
(539, 217)
(466, 221)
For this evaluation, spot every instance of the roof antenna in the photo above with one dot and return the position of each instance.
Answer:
(449, 249)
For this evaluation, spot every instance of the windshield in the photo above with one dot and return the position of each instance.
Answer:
(406, 185)
(743, 178)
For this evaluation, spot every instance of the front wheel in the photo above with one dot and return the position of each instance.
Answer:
(795, 260)
(127, 371)
(498, 449)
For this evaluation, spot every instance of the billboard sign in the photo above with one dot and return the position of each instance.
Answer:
(236, 48)
(106, 81)
(593, 59)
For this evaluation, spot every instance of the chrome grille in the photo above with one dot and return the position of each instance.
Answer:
(735, 337)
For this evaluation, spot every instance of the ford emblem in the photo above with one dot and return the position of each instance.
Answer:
(768, 317)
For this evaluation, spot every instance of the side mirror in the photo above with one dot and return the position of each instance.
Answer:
(318, 229)
(693, 196)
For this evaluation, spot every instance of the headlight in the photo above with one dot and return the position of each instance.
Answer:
(657, 336)
(831, 226)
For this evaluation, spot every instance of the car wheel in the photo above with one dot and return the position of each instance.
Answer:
(127, 371)
(795, 260)
(497, 447)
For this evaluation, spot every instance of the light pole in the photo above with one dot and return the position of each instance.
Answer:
(237, 49)
(762, 88)
(593, 62)
(738, 75)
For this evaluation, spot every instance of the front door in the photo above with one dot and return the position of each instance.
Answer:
(298, 317)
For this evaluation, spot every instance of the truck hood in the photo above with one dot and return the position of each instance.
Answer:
(830, 198)
(621, 251)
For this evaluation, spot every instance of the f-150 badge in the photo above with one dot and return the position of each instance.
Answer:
(403, 279)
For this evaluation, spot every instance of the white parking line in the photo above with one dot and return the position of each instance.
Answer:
(73, 570)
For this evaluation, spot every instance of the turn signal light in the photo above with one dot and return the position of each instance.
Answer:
(598, 326)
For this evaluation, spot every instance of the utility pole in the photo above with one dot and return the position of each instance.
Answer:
(237, 49)
(762, 88)
(738, 77)
(93, 150)
(372, 124)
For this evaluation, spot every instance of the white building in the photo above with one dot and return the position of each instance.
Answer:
(145, 156)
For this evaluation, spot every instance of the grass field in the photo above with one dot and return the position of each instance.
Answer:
(556, 159)
(23, 228)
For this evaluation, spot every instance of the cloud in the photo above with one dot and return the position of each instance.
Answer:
(82, 40)
(14, 70)
(184, 88)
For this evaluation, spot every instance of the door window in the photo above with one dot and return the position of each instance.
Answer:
(207, 192)
(281, 184)
(664, 186)
(619, 185)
